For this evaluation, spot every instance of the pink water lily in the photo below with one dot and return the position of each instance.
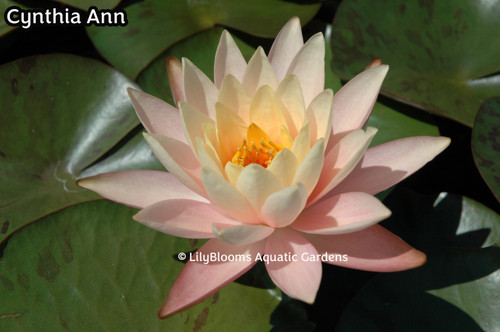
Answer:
(265, 161)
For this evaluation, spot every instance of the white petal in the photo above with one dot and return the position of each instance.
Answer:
(256, 183)
(199, 90)
(258, 73)
(178, 159)
(310, 169)
(227, 197)
(228, 60)
(309, 66)
(282, 207)
(284, 166)
(286, 45)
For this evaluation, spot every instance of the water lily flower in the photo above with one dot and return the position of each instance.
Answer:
(265, 161)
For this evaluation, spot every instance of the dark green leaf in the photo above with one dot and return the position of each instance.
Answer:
(436, 50)
(155, 25)
(456, 290)
(59, 114)
(85, 4)
(92, 268)
(486, 143)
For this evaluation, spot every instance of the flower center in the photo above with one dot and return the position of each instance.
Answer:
(256, 148)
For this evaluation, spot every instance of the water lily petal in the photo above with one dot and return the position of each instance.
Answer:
(282, 207)
(138, 188)
(184, 218)
(309, 170)
(289, 93)
(302, 143)
(157, 116)
(178, 159)
(284, 166)
(387, 164)
(234, 96)
(319, 114)
(174, 72)
(267, 113)
(233, 172)
(231, 130)
(256, 183)
(296, 277)
(240, 235)
(372, 249)
(353, 103)
(199, 90)
(198, 281)
(309, 66)
(258, 73)
(344, 213)
(228, 60)
(207, 158)
(341, 160)
(227, 197)
(287, 43)
(192, 122)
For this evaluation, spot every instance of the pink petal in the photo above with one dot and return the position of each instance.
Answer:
(341, 160)
(297, 275)
(372, 249)
(178, 159)
(286, 45)
(197, 280)
(183, 218)
(354, 101)
(199, 90)
(309, 67)
(344, 213)
(157, 116)
(387, 164)
(174, 72)
(241, 235)
(228, 60)
(138, 188)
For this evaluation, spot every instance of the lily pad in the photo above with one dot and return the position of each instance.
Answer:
(59, 114)
(155, 25)
(85, 4)
(486, 143)
(434, 48)
(456, 290)
(92, 268)
(200, 49)
(4, 4)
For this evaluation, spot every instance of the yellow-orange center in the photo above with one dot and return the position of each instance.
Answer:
(256, 148)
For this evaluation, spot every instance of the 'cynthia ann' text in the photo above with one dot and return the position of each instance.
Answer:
(26, 18)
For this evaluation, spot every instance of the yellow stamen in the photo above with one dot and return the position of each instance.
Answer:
(261, 149)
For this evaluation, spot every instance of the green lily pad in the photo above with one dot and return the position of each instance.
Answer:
(4, 4)
(59, 114)
(456, 290)
(92, 268)
(155, 25)
(436, 50)
(486, 143)
(85, 4)
(200, 49)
